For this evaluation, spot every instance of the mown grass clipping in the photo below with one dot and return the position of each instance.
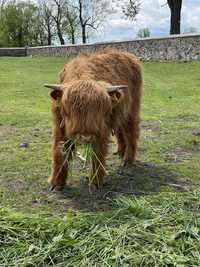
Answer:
(156, 230)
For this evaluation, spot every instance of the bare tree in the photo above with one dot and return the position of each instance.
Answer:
(72, 23)
(175, 8)
(91, 14)
(58, 14)
(47, 20)
(61, 17)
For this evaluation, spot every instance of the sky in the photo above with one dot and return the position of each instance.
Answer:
(153, 15)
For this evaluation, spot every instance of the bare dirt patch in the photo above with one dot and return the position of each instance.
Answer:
(182, 117)
(151, 126)
(177, 155)
(138, 179)
(192, 206)
(196, 132)
(180, 154)
(7, 130)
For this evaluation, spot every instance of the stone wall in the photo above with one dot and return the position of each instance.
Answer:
(177, 47)
(13, 52)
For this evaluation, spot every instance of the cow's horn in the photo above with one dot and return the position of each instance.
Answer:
(113, 88)
(54, 86)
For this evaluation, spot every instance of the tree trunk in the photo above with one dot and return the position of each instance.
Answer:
(20, 41)
(175, 27)
(41, 40)
(84, 37)
(73, 37)
(49, 35)
(83, 24)
(49, 39)
(62, 41)
(175, 8)
(72, 30)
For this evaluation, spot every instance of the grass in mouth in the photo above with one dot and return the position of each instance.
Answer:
(87, 156)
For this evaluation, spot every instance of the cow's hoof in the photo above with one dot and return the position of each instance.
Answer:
(94, 188)
(56, 188)
(128, 163)
(52, 187)
(119, 154)
(99, 187)
(84, 180)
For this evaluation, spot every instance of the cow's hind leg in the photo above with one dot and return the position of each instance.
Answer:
(121, 144)
(131, 132)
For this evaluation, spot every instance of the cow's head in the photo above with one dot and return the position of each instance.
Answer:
(86, 106)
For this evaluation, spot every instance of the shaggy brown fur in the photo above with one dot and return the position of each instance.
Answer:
(84, 108)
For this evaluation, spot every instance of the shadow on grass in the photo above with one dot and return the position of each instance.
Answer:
(138, 179)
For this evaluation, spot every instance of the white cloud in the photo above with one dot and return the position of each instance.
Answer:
(153, 15)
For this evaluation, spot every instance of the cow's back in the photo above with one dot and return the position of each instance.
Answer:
(113, 67)
(110, 66)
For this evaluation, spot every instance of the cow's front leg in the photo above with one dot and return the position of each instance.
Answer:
(61, 155)
(98, 162)
(59, 167)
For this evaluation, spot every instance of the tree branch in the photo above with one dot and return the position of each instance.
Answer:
(163, 5)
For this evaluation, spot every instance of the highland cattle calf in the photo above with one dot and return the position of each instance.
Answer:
(97, 95)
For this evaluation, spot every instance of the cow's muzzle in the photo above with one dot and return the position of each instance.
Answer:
(84, 139)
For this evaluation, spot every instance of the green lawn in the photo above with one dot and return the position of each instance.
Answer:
(146, 214)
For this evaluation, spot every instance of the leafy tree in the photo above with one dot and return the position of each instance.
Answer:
(36, 23)
(19, 24)
(144, 33)
(2, 4)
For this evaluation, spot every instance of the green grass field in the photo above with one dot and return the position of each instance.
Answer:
(146, 215)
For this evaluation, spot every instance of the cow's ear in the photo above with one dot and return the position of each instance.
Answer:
(57, 90)
(55, 94)
(115, 96)
(115, 93)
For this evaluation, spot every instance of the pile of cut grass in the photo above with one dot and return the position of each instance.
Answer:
(155, 230)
